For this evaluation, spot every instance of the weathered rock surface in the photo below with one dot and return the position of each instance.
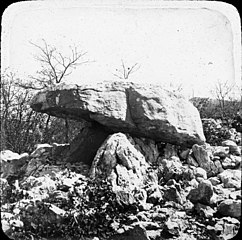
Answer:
(119, 160)
(231, 178)
(233, 148)
(175, 200)
(231, 208)
(201, 194)
(136, 233)
(141, 110)
(204, 156)
(11, 163)
(225, 228)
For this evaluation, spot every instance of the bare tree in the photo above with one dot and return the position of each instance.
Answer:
(54, 65)
(226, 101)
(124, 72)
(222, 91)
(18, 121)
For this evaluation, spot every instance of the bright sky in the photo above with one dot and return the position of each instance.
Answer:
(193, 44)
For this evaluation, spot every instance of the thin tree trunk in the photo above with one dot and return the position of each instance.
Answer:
(66, 130)
(45, 137)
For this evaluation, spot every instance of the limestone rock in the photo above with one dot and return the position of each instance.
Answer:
(148, 225)
(125, 198)
(148, 148)
(172, 194)
(220, 151)
(233, 148)
(203, 157)
(200, 172)
(191, 161)
(39, 188)
(183, 154)
(231, 178)
(204, 210)
(171, 169)
(136, 233)
(11, 163)
(231, 162)
(41, 150)
(141, 110)
(214, 180)
(154, 194)
(231, 208)
(119, 160)
(225, 228)
(202, 193)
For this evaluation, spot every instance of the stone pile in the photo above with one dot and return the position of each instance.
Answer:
(174, 194)
(149, 145)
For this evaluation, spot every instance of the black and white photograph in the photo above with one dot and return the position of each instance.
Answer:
(120, 120)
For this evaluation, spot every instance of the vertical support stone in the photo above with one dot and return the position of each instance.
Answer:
(85, 145)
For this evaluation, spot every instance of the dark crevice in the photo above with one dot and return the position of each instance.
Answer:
(129, 115)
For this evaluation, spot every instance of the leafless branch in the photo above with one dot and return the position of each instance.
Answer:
(124, 72)
(55, 66)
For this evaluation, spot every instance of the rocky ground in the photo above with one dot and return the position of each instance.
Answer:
(134, 189)
(140, 169)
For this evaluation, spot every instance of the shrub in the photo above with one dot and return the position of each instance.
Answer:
(90, 210)
(215, 132)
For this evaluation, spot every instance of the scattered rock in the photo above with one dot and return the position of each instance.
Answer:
(231, 208)
(125, 198)
(183, 154)
(171, 169)
(175, 225)
(147, 143)
(233, 148)
(194, 183)
(154, 234)
(202, 193)
(171, 194)
(225, 228)
(142, 216)
(203, 156)
(172, 227)
(39, 187)
(173, 182)
(220, 151)
(154, 194)
(11, 163)
(191, 161)
(136, 233)
(157, 216)
(231, 178)
(235, 195)
(148, 225)
(204, 210)
(230, 162)
(222, 192)
(214, 180)
(41, 150)
(200, 172)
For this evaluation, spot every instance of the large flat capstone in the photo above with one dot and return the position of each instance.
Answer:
(141, 110)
